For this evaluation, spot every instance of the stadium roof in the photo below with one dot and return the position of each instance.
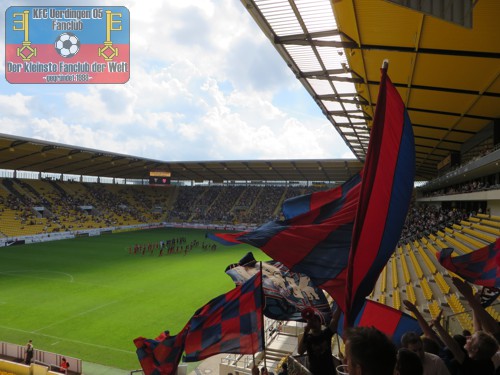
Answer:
(25, 154)
(444, 58)
(445, 66)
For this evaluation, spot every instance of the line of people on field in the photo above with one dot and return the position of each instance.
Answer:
(168, 247)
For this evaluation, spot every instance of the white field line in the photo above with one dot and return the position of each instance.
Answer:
(71, 279)
(69, 340)
(76, 316)
(12, 273)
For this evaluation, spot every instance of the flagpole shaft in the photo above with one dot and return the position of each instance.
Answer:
(262, 311)
(338, 346)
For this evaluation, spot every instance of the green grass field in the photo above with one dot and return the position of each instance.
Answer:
(89, 298)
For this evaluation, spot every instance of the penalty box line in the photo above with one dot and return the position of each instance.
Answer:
(69, 340)
(76, 316)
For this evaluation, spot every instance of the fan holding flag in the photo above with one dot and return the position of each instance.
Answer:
(317, 342)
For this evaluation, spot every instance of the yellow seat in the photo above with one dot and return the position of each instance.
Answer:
(458, 244)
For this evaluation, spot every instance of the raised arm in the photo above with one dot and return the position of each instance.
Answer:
(452, 345)
(484, 319)
(301, 349)
(426, 328)
(335, 320)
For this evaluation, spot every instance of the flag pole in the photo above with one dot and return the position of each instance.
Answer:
(341, 355)
(385, 64)
(263, 300)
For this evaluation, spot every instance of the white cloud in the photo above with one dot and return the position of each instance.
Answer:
(205, 84)
(17, 105)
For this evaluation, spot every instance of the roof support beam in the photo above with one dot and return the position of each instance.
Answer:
(443, 89)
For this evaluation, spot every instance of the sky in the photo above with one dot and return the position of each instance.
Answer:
(205, 84)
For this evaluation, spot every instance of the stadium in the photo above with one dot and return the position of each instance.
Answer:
(99, 248)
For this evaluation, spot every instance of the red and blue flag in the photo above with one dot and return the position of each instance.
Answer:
(286, 293)
(480, 267)
(386, 190)
(162, 355)
(343, 238)
(230, 323)
(394, 323)
(316, 241)
(67, 44)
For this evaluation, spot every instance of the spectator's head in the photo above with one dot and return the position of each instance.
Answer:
(460, 339)
(312, 317)
(496, 335)
(369, 352)
(481, 346)
(408, 363)
(412, 341)
(430, 346)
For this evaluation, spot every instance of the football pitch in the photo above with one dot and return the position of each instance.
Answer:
(89, 297)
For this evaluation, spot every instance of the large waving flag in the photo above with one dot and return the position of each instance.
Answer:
(386, 189)
(480, 267)
(314, 239)
(230, 323)
(161, 355)
(286, 293)
(394, 323)
(318, 236)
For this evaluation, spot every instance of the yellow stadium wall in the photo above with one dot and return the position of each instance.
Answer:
(16, 368)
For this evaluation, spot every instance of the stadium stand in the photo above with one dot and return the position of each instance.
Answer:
(458, 151)
(30, 207)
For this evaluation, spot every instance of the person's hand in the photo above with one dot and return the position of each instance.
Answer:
(463, 287)
(437, 322)
(336, 314)
(410, 306)
(307, 329)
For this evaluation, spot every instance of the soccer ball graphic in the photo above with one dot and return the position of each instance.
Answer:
(67, 45)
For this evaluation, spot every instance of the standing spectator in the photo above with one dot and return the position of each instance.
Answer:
(408, 363)
(317, 342)
(64, 366)
(433, 364)
(284, 369)
(479, 350)
(29, 352)
(369, 352)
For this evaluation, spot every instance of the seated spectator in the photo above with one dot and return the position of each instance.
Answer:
(432, 364)
(369, 352)
(408, 363)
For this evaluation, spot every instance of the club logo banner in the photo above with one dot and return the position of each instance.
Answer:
(61, 45)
